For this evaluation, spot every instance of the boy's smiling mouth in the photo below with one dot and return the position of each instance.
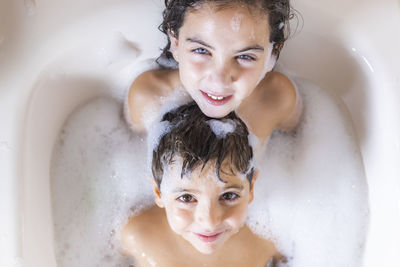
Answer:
(208, 238)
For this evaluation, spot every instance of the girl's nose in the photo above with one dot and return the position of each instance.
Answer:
(222, 76)
(209, 215)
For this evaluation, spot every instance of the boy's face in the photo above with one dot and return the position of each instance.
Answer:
(202, 209)
(222, 55)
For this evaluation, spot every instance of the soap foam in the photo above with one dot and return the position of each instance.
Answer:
(310, 197)
(152, 119)
(236, 22)
(222, 127)
(99, 180)
(311, 194)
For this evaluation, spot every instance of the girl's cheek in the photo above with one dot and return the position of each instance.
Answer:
(251, 72)
(197, 65)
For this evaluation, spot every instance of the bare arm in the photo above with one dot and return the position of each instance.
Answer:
(146, 93)
(291, 121)
(275, 103)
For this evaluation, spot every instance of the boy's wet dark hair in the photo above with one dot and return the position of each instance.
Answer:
(278, 11)
(190, 137)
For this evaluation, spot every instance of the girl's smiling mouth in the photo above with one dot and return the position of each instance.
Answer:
(208, 238)
(216, 100)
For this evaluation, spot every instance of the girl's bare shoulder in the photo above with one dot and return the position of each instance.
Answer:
(146, 91)
(269, 105)
(278, 93)
(158, 81)
(289, 105)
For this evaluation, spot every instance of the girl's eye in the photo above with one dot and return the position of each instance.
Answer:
(246, 57)
(201, 51)
(229, 196)
(186, 198)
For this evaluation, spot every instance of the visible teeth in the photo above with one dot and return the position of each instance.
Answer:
(216, 97)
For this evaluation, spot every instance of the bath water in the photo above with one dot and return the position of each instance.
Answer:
(310, 197)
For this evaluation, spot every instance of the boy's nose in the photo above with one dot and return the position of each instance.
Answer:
(209, 215)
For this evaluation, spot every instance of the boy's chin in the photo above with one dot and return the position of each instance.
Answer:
(207, 249)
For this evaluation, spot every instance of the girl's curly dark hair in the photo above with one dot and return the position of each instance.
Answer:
(279, 14)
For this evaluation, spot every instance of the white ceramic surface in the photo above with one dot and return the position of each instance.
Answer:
(47, 48)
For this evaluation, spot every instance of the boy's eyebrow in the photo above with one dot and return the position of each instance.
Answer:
(239, 187)
(195, 40)
(180, 190)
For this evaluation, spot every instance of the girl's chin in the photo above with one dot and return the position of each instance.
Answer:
(215, 111)
(212, 113)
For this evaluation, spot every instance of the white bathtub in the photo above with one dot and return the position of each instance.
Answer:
(347, 47)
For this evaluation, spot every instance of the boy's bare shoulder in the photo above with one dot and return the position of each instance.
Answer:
(140, 229)
(258, 244)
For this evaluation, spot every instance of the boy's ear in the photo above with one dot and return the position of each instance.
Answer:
(255, 176)
(157, 194)
(174, 46)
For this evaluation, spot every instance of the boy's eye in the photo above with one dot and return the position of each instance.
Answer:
(246, 57)
(186, 198)
(229, 196)
(201, 51)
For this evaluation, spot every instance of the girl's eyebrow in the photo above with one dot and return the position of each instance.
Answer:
(195, 40)
(252, 47)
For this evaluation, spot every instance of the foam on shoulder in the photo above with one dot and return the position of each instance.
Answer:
(155, 127)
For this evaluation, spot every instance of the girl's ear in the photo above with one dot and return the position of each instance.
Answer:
(255, 176)
(157, 194)
(174, 46)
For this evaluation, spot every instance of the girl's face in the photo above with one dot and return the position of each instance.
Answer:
(202, 209)
(222, 55)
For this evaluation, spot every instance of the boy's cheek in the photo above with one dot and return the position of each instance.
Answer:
(179, 218)
(236, 217)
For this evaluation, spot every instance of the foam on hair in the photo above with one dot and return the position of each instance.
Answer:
(155, 128)
(199, 139)
(222, 127)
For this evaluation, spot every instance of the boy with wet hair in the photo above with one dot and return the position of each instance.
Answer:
(203, 180)
(199, 139)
